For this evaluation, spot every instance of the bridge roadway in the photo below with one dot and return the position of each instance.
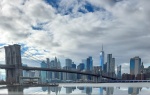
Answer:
(7, 66)
(55, 70)
(47, 69)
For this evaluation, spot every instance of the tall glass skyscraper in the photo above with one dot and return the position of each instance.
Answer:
(135, 65)
(43, 73)
(89, 64)
(102, 59)
(119, 72)
(109, 62)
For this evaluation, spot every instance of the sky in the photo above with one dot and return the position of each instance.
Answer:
(77, 29)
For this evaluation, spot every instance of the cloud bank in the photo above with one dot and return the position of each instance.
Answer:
(76, 29)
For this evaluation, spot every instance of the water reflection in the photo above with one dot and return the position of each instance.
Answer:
(78, 90)
(134, 90)
(15, 90)
(56, 90)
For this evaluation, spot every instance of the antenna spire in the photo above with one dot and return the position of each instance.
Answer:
(102, 47)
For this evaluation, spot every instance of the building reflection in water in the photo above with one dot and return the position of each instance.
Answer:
(101, 91)
(56, 90)
(15, 90)
(85, 90)
(109, 90)
(134, 90)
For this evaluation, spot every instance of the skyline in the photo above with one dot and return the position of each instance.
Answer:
(76, 29)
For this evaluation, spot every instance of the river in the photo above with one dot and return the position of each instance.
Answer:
(82, 89)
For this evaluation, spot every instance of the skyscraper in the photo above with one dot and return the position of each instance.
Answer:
(43, 73)
(69, 63)
(110, 65)
(80, 67)
(102, 59)
(89, 64)
(109, 61)
(119, 72)
(48, 72)
(68, 67)
(54, 76)
(74, 76)
(135, 65)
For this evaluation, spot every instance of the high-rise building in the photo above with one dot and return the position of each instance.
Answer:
(74, 76)
(105, 68)
(43, 73)
(142, 68)
(68, 67)
(109, 61)
(48, 72)
(73, 66)
(69, 63)
(110, 65)
(89, 64)
(54, 76)
(80, 67)
(119, 72)
(102, 59)
(135, 66)
(84, 61)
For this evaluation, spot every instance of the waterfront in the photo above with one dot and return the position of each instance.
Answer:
(83, 89)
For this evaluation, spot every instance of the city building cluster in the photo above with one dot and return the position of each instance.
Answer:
(49, 76)
(137, 70)
(53, 71)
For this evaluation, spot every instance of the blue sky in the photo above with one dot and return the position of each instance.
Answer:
(76, 29)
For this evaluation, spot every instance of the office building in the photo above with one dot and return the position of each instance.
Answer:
(110, 65)
(135, 66)
(73, 75)
(80, 67)
(119, 72)
(68, 63)
(68, 67)
(89, 67)
(109, 61)
(105, 68)
(102, 59)
(43, 73)
(55, 64)
(89, 64)
(49, 73)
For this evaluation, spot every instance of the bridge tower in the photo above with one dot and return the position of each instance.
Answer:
(13, 57)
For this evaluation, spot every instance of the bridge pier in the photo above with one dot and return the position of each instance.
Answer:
(13, 57)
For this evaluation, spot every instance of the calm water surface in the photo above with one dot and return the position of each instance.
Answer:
(78, 89)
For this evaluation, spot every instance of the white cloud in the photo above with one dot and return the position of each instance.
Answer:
(123, 28)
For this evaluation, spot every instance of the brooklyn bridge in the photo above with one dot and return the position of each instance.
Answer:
(14, 68)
